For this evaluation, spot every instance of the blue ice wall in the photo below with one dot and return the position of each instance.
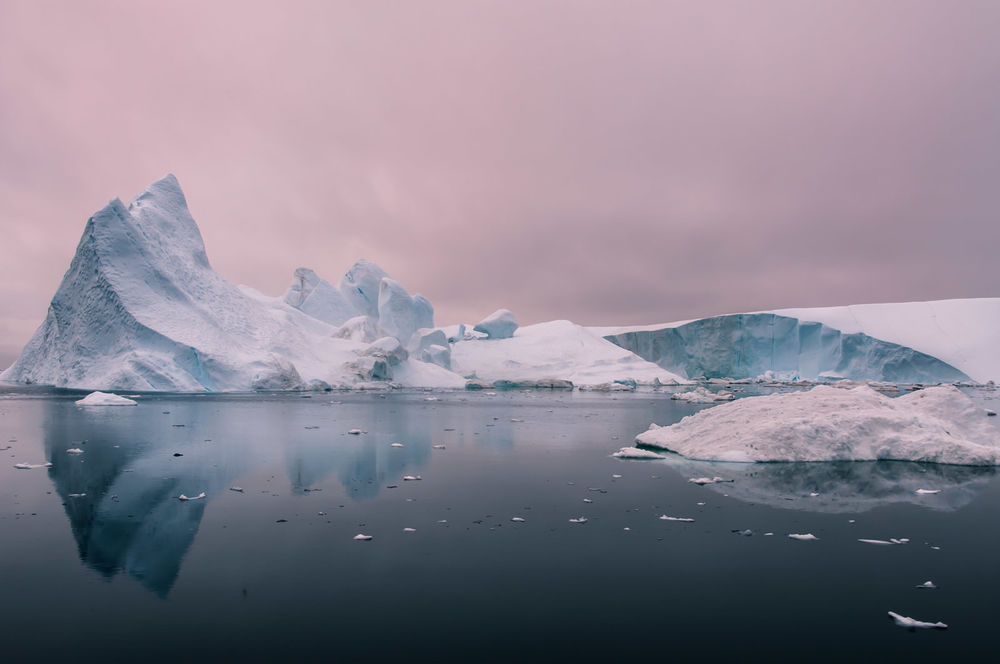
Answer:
(749, 345)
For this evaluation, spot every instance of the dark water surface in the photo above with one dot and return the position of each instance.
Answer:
(129, 572)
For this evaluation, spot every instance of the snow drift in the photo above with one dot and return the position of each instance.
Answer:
(938, 425)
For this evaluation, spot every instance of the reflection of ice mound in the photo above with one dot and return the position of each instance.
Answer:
(848, 486)
(939, 425)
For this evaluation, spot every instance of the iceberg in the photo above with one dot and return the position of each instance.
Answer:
(739, 346)
(105, 399)
(500, 324)
(936, 425)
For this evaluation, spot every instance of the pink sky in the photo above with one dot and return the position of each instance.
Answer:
(607, 162)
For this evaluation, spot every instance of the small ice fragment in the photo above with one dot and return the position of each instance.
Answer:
(354, 432)
(396, 445)
(927, 584)
(902, 540)
(579, 519)
(198, 497)
(438, 447)
(236, 488)
(928, 491)
(936, 548)
(362, 537)
(321, 513)
(700, 504)
(636, 453)
(29, 466)
(517, 519)
(701, 481)
(991, 413)
(876, 541)
(850, 520)
(74, 450)
(515, 419)
(768, 534)
(616, 476)
(587, 500)
(813, 494)
(744, 533)
(409, 530)
(805, 537)
(430, 398)
(411, 478)
(911, 623)
(77, 495)
(104, 399)
(664, 517)
(442, 520)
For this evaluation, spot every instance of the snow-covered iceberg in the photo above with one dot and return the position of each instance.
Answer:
(750, 345)
(938, 425)
(141, 309)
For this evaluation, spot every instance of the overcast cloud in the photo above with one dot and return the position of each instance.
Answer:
(607, 162)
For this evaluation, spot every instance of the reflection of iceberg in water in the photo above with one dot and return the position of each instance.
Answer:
(849, 486)
(129, 518)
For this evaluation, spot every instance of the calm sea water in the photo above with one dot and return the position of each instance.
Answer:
(100, 561)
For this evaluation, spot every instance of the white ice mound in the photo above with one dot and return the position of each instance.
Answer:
(105, 399)
(500, 324)
(557, 349)
(937, 425)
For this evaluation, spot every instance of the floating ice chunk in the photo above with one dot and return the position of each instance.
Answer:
(29, 466)
(438, 447)
(636, 453)
(409, 530)
(238, 489)
(517, 519)
(500, 324)
(929, 585)
(362, 537)
(354, 432)
(877, 542)
(701, 481)
(813, 494)
(77, 495)
(431, 399)
(701, 395)
(806, 537)
(587, 500)
(442, 520)
(616, 476)
(579, 519)
(683, 519)
(198, 497)
(928, 491)
(104, 399)
(74, 450)
(396, 445)
(911, 623)
(411, 478)
(936, 424)
(768, 534)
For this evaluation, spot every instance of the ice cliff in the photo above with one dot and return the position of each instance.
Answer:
(755, 344)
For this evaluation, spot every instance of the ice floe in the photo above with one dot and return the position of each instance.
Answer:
(912, 623)
(198, 497)
(684, 519)
(30, 466)
(636, 453)
(937, 424)
(362, 537)
(105, 399)
(803, 537)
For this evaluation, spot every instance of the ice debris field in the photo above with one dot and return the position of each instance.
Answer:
(141, 309)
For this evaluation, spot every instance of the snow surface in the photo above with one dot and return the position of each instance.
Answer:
(557, 349)
(105, 399)
(938, 424)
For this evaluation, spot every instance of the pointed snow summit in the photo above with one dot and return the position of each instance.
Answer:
(140, 308)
